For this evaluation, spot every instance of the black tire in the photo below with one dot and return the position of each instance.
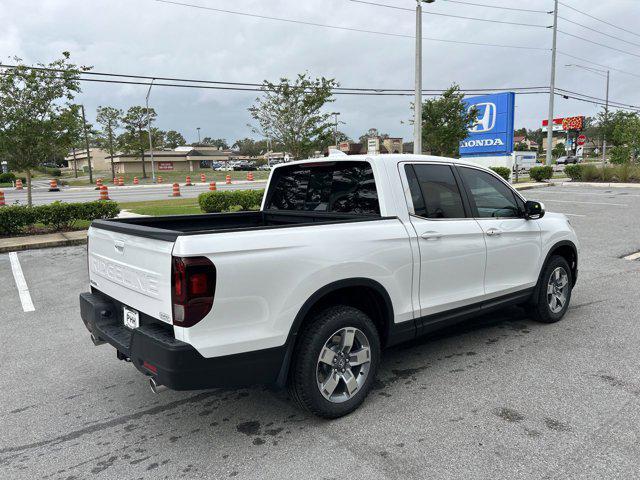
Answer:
(540, 308)
(303, 383)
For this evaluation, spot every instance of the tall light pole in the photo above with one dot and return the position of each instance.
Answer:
(153, 169)
(335, 127)
(86, 143)
(602, 73)
(552, 84)
(417, 107)
(198, 129)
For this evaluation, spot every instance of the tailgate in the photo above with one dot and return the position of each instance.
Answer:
(134, 270)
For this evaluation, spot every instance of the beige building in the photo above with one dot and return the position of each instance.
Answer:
(77, 159)
(182, 159)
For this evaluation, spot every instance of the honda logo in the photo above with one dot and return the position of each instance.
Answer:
(487, 113)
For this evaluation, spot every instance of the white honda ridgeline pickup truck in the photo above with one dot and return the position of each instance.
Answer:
(347, 256)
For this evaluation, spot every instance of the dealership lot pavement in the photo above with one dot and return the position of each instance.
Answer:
(499, 397)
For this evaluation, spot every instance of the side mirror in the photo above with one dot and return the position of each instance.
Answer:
(533, 210)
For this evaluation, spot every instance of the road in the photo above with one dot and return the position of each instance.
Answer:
(499, 397)
(120, 194)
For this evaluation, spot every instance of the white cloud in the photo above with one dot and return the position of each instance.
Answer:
(150, 38)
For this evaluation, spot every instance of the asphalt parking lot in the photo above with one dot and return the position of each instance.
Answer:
(499, 397)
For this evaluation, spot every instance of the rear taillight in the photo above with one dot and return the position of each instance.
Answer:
(194, 283)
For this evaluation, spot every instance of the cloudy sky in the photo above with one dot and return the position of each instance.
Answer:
(146, 37)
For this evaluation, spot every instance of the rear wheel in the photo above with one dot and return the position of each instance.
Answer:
(554, 291)
(335, 362)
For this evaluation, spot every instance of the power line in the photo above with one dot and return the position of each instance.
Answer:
(473, 4)
(425, 12)
(611, 102)
(349, 29)
(598, 19)
(599, 44)
(598, 31)
(599, 64)
(260, 85)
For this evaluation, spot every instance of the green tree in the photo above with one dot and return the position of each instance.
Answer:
(521, 147)
(250, 147)
(559, 150)
(110, 119)
(212, 142)
(136, 138)
(446, 122)
(627, 134)
(290, 113)
(37, 118)
(173, 139)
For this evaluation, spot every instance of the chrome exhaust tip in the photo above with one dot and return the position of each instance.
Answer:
(96, 341)
(155, 386)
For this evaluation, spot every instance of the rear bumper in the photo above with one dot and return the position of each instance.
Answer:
(154, 351)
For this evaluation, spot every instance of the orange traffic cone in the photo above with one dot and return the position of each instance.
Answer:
(188, 182)
(203, 178)
(250, 176)
(136, 181)
(2, 199)
(212, 187)
(19, 184)
(53, 186)
(159, 179)
(228, 182)
(121, 182)
(115, 181)
(98, 184)
(176, 190)
(104, 193)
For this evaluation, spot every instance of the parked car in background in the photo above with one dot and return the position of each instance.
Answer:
(346, 256)
(244, 166)
(567, 160)
(266, 166)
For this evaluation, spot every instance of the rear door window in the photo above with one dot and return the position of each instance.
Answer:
(335, 187)
(434, 191)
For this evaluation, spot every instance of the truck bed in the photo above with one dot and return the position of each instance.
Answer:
(170, 227)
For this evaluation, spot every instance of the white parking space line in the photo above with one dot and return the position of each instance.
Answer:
(21, 283)
(587, 203)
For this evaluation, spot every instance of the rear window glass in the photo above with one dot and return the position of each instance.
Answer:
(338, 187)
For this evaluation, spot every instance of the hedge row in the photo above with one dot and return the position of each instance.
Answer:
(55, 216)
(504, 172)
(540, 174)
(589, 172)
(230, 200)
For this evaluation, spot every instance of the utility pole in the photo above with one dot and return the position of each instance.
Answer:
(606, 122)
(86, 144)
(417, 107)
(198, 129)
(153, 170)
(552, 85)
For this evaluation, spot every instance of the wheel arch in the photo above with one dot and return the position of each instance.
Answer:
(566, 249)
(363, 293)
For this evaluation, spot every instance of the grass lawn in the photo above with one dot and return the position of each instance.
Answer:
(171, 177)
(179, 206)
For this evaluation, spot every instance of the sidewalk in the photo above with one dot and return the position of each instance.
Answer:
(162, 185)
(62, 239)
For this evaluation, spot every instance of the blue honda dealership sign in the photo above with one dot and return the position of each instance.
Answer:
(492, 134)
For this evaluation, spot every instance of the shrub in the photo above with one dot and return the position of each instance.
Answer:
(590, 173)
(230, 200)
(620, 154)
(7, 177)
(540, 174)
(55, 216)
(504, 172)
(574, 171)
(14, 218)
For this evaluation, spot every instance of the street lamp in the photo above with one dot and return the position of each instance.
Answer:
(602, 73)
(417, 108)
(335, 128)
(153, 170)
(198, 129)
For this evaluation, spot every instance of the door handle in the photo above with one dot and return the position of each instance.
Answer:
(431, 235)
(493, 232)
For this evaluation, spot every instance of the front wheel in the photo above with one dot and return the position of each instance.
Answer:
(554, 291)
(335, 362)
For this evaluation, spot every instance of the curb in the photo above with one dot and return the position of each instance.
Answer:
(598, 184)
(16, 244)
(529, 187)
